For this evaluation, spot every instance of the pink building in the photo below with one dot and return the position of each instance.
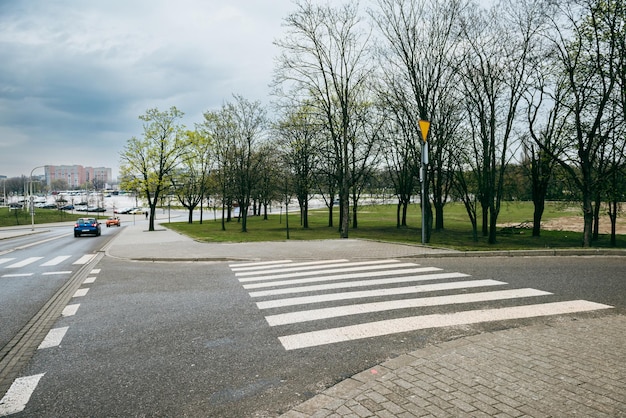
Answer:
(77, 175)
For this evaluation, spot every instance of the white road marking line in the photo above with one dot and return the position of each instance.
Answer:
(54, 338)
(6, 260)
(337, 311)
(18, 395)
(84, 259)
(359, 294)
(360, 283)
(89, 280)
(95, 271)
(258, 263)
(24, 262)
(288, 264)
(366, 267)
(55, 261)
(18, 275)
(80, 292)
(52, 273)
(398, 325)
(341, 266)
(340, 277)
(70, 310)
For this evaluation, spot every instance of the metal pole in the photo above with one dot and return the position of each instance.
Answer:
(32, 199)
(423, 180)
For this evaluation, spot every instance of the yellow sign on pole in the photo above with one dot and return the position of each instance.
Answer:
(424, 125)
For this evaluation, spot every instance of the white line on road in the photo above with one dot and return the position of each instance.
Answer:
(80, 292)
(258, 263)
(359, 294)
(341, 277)
(359, 283)
(394, 326)
(18, 275)
(54, 337)
(95, 271)
(19, 393)
(70, 310)
(365, 267)
(84, 259)
(306, 270)
(337, 311)
(55, 261)
(285, 265)
(24, 262)
(6, 260)
(89, 280)
(53, 273)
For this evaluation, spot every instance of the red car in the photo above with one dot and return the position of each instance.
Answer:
(113, 220)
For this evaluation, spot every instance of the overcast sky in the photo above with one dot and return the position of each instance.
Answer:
(75, 75)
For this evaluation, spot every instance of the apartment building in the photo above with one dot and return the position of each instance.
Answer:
(77, 175)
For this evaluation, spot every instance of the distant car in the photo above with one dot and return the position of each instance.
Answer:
(67, 207)
(89, 226)
(113, 220)
(137, 211)
(96, 209)
(13, 206)
(49, 206)
(80, 208)
(122, 210)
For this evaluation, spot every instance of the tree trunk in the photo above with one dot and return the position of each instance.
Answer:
(438, 216)
(398, 214)
(537, 215)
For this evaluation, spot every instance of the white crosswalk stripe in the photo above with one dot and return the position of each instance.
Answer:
(281, 287)
(24, 262)
(15, 263)
(55, 261)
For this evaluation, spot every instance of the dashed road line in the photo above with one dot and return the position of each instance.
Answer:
(53, 338)
(18, 395)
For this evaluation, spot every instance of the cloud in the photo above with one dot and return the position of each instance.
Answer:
(76, 75)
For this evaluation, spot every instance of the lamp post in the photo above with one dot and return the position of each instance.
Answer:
(424, 125)
(32, 199)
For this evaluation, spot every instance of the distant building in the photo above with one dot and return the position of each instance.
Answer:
(77, 175)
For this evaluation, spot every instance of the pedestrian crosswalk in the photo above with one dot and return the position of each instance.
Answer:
(313, 295)
(10, 266)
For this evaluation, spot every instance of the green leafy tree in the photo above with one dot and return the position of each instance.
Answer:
(147, 164)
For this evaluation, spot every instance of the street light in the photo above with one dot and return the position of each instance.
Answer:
(32, 199)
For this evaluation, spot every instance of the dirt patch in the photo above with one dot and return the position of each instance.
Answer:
(576, 224)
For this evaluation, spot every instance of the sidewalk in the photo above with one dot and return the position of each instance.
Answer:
(565, 367)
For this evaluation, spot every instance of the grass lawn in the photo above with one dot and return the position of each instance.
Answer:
(379, 223)
(42, 216)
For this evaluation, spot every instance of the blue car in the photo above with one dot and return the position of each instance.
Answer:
(87, 226)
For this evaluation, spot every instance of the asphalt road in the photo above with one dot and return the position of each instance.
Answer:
(34, 267)
(187, 339)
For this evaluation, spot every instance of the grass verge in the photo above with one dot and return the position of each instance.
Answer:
(379, 223)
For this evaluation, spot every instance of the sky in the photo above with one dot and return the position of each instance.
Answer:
(76, 75)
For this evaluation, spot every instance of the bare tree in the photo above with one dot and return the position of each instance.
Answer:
(587, 36)
(323, 62)
(495, 69)
(298, 137)
(421, 37)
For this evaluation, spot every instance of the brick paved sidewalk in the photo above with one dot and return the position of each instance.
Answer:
(568, 368)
